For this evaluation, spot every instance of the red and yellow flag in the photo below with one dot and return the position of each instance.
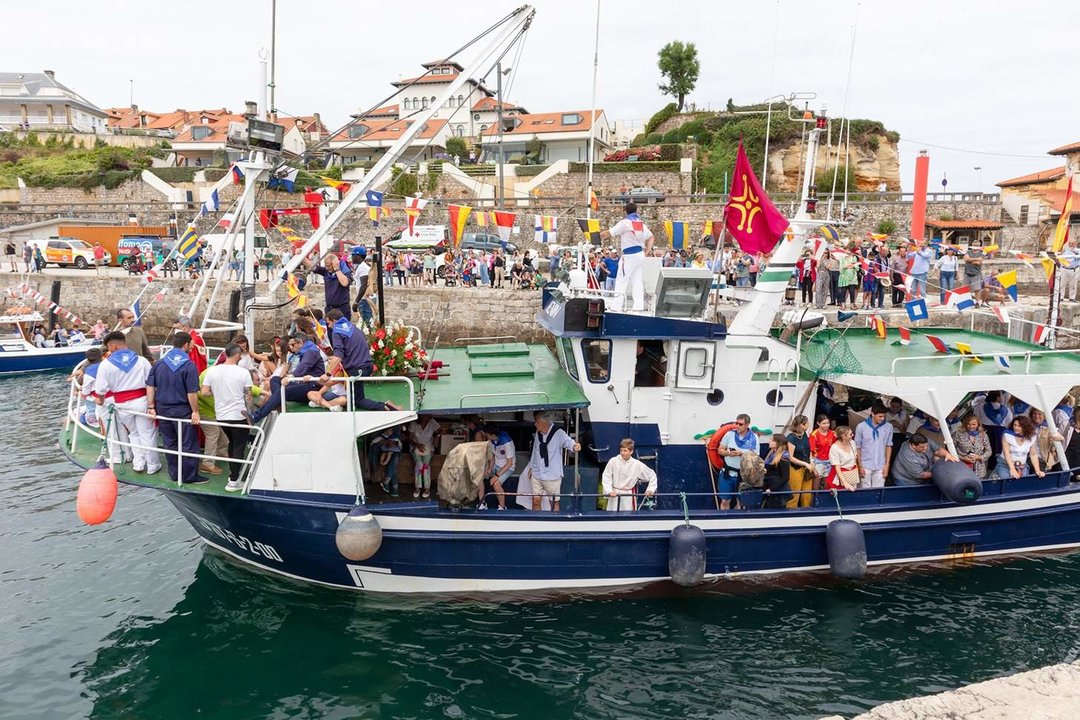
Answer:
(459, 215)
(1061, 233)
(751, 217)
(594, 202)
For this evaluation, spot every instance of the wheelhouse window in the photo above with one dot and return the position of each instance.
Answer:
(597, 355)
(566, 348)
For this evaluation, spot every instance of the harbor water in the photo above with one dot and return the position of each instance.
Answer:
(136, 619)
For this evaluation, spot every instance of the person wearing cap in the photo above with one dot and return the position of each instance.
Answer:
(197, 351)
(636, 241)
(946, 266)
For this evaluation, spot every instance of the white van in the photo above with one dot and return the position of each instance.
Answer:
(422, 238)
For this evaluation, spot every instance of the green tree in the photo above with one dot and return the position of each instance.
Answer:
(456, 147)
(680, 67)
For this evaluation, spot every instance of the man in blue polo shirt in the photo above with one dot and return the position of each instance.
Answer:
(351, 347)
(172, 394)
(335, 275)
(611, 262)
(310, 365)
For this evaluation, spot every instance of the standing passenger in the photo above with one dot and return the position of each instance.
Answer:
(735, 443)
(122, 380)
(873, 445)
(622, 475)
(230, 385)
(171, 395)
(545, 462)
(637, 242)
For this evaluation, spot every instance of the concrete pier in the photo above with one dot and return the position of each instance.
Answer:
(1049, 693)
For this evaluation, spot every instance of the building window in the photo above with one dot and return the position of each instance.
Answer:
(460, 100)
(356, 131)
(450, 102)
(483, 128)
(459, 130)
(425, 103)
(566, 348)
(1023, 219)
(201, 132)
(571, 119)
(597, 355)
(433, 100)
(407, 107)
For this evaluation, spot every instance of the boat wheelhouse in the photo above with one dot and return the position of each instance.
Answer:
(18, 353)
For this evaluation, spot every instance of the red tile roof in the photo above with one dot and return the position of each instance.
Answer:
(425, 79)
(385, 111)
(964, 224)
(389, 130)
(1055, 198)
(1066, 149)
(1035, 178)
(219, 126)
(437, 63)
(530, 124)
(490, 103)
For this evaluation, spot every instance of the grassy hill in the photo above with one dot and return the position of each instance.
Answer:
(50, 162)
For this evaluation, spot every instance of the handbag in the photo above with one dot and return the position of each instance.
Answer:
(848, 477)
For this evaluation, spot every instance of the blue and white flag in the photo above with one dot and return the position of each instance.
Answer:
(1003, 363)
(284, 178)
(137, 312)
(916, 309)
(212, 204)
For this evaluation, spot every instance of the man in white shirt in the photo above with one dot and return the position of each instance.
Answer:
(636, 242)
(230, 386)
(546, 463)
(121, 382)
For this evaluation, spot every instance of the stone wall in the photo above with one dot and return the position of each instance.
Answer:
(133, 191)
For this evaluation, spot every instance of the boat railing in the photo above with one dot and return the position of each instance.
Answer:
(1023, 321)
(1025, 355)
(348, 382)
(249, 460)
(484, 338)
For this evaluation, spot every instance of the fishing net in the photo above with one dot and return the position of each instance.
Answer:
(828, 353)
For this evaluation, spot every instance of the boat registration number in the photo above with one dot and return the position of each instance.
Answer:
(251, 546)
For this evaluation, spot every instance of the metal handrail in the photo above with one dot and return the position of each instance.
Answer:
(1024, 321)
(349, 380)
(461, 400)
(1027, 355)
(488, 337)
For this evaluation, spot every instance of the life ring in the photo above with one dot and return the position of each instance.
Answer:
(712, 448)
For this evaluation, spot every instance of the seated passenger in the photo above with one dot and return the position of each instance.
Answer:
(777, 470)
(915, 458)
(622, 475)
(502, 465)
(1018, 447)
(973, 445)
(333, 395)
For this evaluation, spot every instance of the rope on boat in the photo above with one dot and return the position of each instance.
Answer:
(836, 499)
(685, 509)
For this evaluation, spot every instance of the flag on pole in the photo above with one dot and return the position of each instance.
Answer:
(459, 215)
(374, 205)
(212, 204)
(188, 244)
(546, 228)
(678, 233)
(1040, 334)
(1048, 267)
(504, 224)
(750, 216)
(1008, 283)
(413, 207)
(916, 309)
(1001, 313)
(1061, 232)
(594, 202)
(905, 336)
(965, 351)
(284, 178)
(879, 327)
(960, 298)
(827, 231)
(938, 343)
(590, 228)
(1003, 363)
(136, 312)
(237, 175)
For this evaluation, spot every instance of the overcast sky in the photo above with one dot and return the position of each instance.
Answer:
(994, 79)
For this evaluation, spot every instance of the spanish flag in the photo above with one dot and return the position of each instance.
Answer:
(590, 228)
(459, 215)
(1008, 283)
(879, 327)
(293, 288)
(678, 233)
(594, 202)
(1061, 233)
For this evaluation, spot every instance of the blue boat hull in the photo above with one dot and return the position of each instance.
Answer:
(429, 550)
(22, 362)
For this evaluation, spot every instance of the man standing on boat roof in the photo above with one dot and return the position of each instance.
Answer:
(121, 381)
(336, 281)
(133, 334)
(351, 347)
(309, 366)
(545, 463)
(636, 241)
(172, 394)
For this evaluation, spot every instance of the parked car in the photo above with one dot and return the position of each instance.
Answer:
(641, 195)
(484, 241)
(69, 251)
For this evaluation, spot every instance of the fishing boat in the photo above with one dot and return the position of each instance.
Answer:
(309, 509)
(19, 354)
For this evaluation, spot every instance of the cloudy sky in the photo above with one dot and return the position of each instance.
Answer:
(979, 86)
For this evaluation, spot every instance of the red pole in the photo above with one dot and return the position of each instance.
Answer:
(918, 203)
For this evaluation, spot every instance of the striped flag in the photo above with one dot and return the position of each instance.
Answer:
(1061, 232)
(546, 228)
(966, 352)
(938, 343)
(188, 244)
(828, 231)
(480, 217)
(237, 175)
(504, 224)
(960, 298)
(713, 229)
(905, 336)
(1001, 313)
(1008, 282)
(1024, 257)
(594, 202)
(413, 207)
(678, 233)
(459, 215)
(212, 204)
(590, 228)
(1003, 363)
(1040, 334)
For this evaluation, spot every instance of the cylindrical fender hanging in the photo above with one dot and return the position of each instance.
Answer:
(846, 547)
(956, 481)
(686, 555)
(358, 536)
(96, 498)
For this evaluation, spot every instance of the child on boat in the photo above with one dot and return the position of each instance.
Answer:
(622, 475)
(333, 395)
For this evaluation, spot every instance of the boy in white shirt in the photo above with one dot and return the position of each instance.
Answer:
(622, 475)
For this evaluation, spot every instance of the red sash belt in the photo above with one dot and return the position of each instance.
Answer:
(123, 396)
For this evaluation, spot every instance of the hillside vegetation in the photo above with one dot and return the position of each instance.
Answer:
(56, 163)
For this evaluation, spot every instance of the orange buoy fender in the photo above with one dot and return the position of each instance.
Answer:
(96, 499)
(712, 448)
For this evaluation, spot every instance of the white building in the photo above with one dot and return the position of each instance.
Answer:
(1038, 197)
(366, 140)
(562, 136)
(36, 101)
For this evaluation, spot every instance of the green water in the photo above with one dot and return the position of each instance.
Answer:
(135, 619)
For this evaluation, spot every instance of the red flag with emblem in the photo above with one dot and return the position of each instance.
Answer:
(750, 216)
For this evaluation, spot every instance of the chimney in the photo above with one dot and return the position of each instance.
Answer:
(51, 74)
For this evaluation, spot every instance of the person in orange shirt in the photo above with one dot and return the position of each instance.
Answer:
(821, 440)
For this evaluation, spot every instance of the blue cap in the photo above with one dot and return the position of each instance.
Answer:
(359, 250)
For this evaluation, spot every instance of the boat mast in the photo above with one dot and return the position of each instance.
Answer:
(505, 33)
(592, 124)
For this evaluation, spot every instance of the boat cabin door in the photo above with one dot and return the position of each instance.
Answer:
(697, 365)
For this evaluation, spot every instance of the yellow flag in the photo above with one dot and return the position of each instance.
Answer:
(1048, 267)
(1061, 233)
(965, 350)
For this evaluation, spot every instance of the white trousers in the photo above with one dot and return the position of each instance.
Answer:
(630, 280)
(872, 479)
(620, 502)
(141, 432)
(1070, 280)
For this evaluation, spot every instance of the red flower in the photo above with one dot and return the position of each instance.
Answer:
(380, 333)
(391, 363)
(408, 355)
(400, 341)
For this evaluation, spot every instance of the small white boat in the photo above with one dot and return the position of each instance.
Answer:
(19, 354)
